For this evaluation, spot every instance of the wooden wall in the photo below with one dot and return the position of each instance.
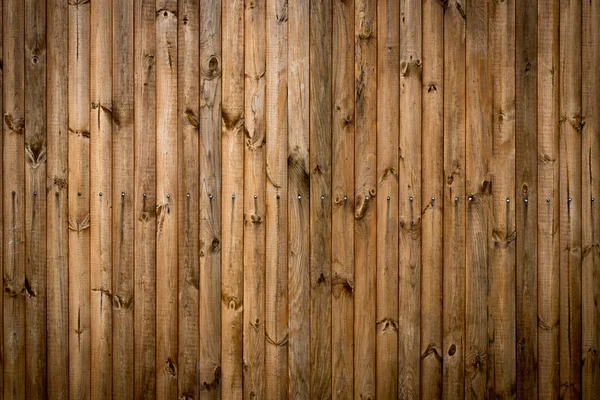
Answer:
(300, 199)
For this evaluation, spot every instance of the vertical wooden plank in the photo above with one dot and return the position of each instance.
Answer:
(342, 224)
(145, 199)
(166, 198)
(123, 200)
(254, 199)
(276, 275)
(526, 197)
(410, 204)
(570, 199)
(320, 194)
(366, 184)
(35, 182)
(79, 200)
(479, 186)
(454, 199)
(432, 173)
(14, 279)
(590, 78)
(187, 197)
(232, 203)
(57, 225)
(102, 295)
(210, 207)
(298, 200)
(548, 207)
(1, 214)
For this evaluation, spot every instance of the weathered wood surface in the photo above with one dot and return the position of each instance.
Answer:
(300, 199)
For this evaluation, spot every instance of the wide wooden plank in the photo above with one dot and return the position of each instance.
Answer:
(320, 194)
(57, 218)
(410, 204)
(276, 274)
(145, 199)
(548, 188)
(123, 198)
(526, 196)
(570, 200)
(254, 199)
(479, 191)
(365, 185)
(79, 200)
(342, 183)
(590, 196)
(210, 200)
(298, 201)
(432, 173)
(188, 196)
(35, 206)
(232, 202)
(102, 299)
(15, 285)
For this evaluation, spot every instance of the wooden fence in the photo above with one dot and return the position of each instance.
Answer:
(291, 199)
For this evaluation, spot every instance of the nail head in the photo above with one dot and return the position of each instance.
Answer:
(100, 194)
(470, 198)
(570, 199)
(255, 197)
(366, 197)
(410, 198)
(507, 200)
(322, 197)
(78, 193)
(278, 197)
(122, 194)
(35, 193)
(547, 200)
(144, 194)
(187, 195)
(210, 196)
(388, 198)
(299, 197)
(168, 196)
(456, 198)
(345, 198)
(233, 196)
(433, 199)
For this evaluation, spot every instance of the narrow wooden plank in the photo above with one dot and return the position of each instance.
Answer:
(1, 219)
(187, 197)
(102, 295)
(57, 225)
(394, 362)
(320, 193)
(15, 285)
(232, 202)
(590, 150)
(298, 201)
(570, 188)
(479, 186)
(454, 199)
(79, 200)
(365, 184)
(432, 173)
(276, 275)
(410, 204)
(123, 200)
(166, 198)
(210, 199)
(342, 224)
(254, 199)
(526, 197)
(548, 207)
(145, 199)
(35, 207)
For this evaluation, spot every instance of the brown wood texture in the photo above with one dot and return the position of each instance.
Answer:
(300, 199)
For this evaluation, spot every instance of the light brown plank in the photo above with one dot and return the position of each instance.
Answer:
(102, 295)
(479, 186)
(35, 207)
(276, 278)
(57, 225)
(548, 206)
(409, 183)
(254, 199)
(298, 201)
(590, 196)
(454, 199)
(232, 202)
(210, 199)
(342, 224)
(432, 174)
(320, 193)
(123, 198)
(366, 184)
(15, 285)
(526, 197)
(570, 188)
(188, 200)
